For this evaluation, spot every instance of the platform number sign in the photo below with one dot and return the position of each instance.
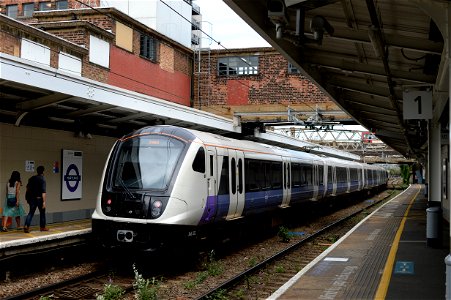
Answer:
(417, 105)
(71, 175)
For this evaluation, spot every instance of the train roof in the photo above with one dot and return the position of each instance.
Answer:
(211, 139)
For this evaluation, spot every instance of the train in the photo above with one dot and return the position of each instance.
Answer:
(165, 183)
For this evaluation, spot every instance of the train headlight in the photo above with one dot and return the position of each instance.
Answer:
(156, 208)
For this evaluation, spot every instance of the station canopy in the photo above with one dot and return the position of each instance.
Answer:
(380, 61)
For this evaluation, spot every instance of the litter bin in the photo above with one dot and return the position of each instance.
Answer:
(433, 226)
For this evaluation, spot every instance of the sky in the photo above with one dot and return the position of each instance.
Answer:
(226, 27)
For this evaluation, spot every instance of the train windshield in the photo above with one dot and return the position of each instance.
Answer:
(146, 162)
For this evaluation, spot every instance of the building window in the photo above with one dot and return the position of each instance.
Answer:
(45, 5)
(28, 9)
(148, 47)
(11, 11)
(292, 69)
(61, 4)
(238, 65)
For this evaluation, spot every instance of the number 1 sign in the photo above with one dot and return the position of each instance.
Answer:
(417, 104)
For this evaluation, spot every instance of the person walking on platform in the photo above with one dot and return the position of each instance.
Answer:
(12, 207)
(36, 197)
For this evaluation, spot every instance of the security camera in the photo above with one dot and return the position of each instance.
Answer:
(277, 14)
(277, 11)
(319, 25)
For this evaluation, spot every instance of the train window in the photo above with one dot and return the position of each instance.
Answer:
(276, 175)
(289, 175)
(199, 161)
(211, 165)
(329, 175)
(321, 175)
(296, 171)
(341, 174)
(302, 172)
(266, 175)
(286, 174)
(233, 174)
(129, 173)
(308, 174)
(240, 175)
(147, 154)
(224, 179)
(253, 168)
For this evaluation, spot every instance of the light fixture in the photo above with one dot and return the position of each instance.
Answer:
(376, 42)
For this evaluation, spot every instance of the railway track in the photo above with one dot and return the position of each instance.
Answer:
(261, 280)
(86, 286)
(253, 272)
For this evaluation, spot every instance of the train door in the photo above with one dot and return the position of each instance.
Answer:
(286, 186)
(236, 184)
(315, 182)
(211, 174)
(361, 178)
(348, 176)
(334, 180)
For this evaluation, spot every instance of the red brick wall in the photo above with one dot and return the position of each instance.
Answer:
(9, 44)
(94, 72)
(237, 92)
(71, 4)
(273, 84)
(76, 35)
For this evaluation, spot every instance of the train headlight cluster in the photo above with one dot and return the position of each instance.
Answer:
(157, 206)
(108, 205)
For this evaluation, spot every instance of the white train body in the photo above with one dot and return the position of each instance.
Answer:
(166, 182)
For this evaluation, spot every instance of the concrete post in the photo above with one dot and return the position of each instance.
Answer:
(447, 45)
(435, 164)
(448, 277)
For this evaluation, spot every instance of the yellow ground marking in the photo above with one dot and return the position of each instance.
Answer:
(382, 289)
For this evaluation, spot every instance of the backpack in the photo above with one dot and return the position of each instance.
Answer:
(29, 193)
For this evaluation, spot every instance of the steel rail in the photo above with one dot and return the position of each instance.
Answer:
(233, 281)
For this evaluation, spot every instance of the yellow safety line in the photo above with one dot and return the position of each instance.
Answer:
(382, 289)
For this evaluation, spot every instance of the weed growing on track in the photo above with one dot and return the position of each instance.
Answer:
(212, 268)
(145, 289)
(111, 292)
(284, 234)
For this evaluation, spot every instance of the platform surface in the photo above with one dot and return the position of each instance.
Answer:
(386, 256)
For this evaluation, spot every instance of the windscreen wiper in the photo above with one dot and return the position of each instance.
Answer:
(126, 189)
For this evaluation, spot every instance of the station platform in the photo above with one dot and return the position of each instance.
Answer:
(386, 256)
(15, 241)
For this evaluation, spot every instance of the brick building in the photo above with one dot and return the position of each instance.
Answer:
(109, 46)
(253, 80)
(112, 48)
